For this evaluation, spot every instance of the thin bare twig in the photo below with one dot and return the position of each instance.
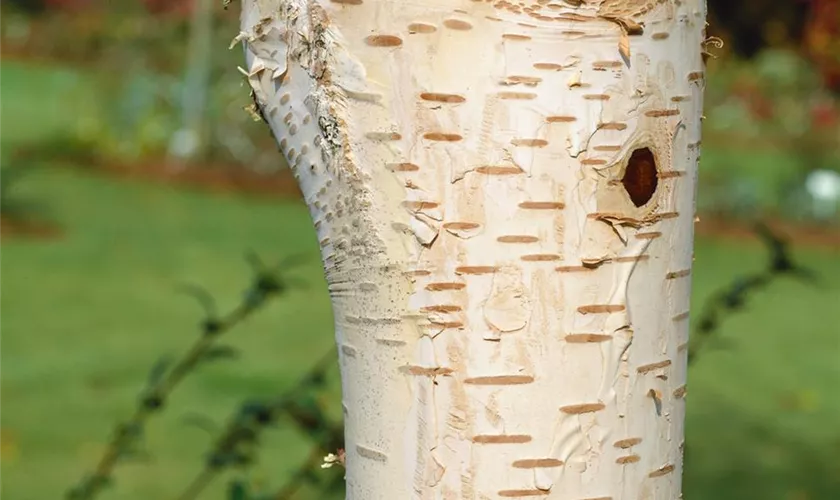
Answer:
(267, 283)
(237, 443)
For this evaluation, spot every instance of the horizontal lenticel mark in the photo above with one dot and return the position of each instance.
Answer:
(476, 269)
(522, 96)
(442, 137)
(438, 97)
(421, 28)
(574, 269)
(648, 236)
(371, 454)
(667, 469)
(442, 308)
(627, 443)
(542, 205)
(659, 113)
(606, 64)
(426, 371)
(681, 316)
(500, 380)
(560, 119)
(383, 41)
(654, 366)
(498, 170)
(529, 143)
(402, 167)
(601, 308)
(632, 258)
(582, 408)
(523, 493)
(383, 136)
(612, 126)
(457, 24)
(532, 80)
(537, 463)
(540, 257)
(420, 205)
(517, 238)
(678, 274)
(501, 438)
(548, 66)
(441, 286)
(585, 338)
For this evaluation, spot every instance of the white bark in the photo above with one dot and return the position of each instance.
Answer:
(510, 323)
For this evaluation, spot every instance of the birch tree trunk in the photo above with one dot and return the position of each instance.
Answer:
(504, 196)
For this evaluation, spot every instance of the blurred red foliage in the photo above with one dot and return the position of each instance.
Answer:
(822, 39)
(176, 7)
(819, 34)
(749, 92)
(825, 115)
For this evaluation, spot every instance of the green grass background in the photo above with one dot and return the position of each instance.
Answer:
(85, 316)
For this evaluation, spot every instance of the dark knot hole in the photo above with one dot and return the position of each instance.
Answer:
(640, 177)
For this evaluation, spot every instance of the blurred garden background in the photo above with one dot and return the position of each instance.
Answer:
(132, 171)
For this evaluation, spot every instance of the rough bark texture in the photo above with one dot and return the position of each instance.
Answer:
(504, 196)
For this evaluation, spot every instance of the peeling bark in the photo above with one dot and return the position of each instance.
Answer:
(504, 196)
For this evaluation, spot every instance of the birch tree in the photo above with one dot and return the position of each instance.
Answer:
(504, 196)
